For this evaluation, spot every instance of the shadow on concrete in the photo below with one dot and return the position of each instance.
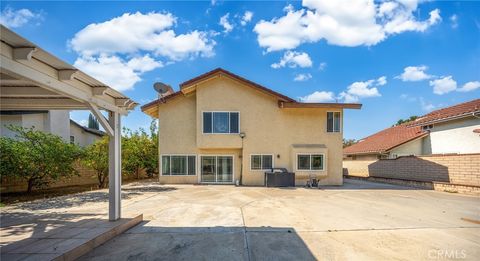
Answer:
(354, 184)
(89, 197)
(146, 242)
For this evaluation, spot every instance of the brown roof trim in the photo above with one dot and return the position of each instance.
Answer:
(237, 77)
(282, 104)
(160, 100)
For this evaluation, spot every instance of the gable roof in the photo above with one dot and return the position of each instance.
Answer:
(89, 130)
(386, 140)
(392, 137)
(450, 113)
(284, 101)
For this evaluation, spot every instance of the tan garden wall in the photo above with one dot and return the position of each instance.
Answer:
(461, 169)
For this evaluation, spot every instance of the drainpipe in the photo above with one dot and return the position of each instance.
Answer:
(242, 136)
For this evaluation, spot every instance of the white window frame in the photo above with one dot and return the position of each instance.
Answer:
(258, 154)
(228, 133)
(324, 166)
(170, 166)
(339, 127)
(199, 166)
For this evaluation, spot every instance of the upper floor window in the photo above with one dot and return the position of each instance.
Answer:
(333, 121)
(221, 122)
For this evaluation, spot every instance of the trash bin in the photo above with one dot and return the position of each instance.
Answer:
(279, 177)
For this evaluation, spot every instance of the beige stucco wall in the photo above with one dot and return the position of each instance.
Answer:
(455, 137)
(268, 129)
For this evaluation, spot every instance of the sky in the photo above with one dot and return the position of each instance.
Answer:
(397, 58)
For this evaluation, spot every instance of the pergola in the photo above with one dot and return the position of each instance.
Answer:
(33, 79)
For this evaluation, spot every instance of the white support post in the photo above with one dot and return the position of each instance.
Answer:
(114, 167)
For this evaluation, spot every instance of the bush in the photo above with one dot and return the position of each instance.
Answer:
(96, 157)
(37, 157)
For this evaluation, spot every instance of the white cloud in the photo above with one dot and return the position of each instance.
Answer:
(322, 66)
(114, 71)
(301, 77)
(358, 90)
(319, 96)
(443, 85)
(360, 22)
(227, 26)
(246, 18)
(414, 73)
(134, 43)
(293, 59)
(469, 86)
(454, 21)
(17, 18)
(426, 106)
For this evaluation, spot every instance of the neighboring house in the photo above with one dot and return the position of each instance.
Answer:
(54, 121)
(454, 129)
(84, 136)
(220, 128)
(57, 122)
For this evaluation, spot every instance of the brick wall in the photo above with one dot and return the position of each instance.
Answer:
(461, 169)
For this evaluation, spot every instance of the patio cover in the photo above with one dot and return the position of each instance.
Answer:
(33, 79)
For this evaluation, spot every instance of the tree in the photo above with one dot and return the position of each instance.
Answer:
(140, 151)
(37, 157)
(96, 157)
(93, 122)
(349, 142)
(402, 121)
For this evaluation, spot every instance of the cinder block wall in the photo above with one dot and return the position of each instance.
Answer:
(457, 169)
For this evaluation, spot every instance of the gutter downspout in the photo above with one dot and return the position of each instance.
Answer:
(242, 136)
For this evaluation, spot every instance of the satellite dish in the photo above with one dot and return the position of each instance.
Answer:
(162, 88)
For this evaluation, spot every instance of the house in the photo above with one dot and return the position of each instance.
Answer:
(220, 128)
(449, 130)
(57, 122)
(84, 136)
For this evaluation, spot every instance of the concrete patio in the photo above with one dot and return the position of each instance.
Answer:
(360, 220)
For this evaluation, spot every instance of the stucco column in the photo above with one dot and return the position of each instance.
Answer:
(114, 167)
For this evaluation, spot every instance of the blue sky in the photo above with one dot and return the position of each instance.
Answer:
(397, 58)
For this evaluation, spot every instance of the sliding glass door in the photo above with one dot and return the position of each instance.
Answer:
(216, 169)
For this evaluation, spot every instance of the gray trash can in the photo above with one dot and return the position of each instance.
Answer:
(279, 177)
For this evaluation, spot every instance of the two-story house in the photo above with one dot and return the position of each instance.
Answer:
(222, 128)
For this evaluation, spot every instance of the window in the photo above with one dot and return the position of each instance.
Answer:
(72, 139)
(178, 165)
(333, 121)
(216, 169)
(221, 122)
(310, 162)
(261, 162)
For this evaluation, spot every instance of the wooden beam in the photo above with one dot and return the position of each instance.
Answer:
(23, 53)
(18, 91)
(101, 119)
(19, 103)
(122, 102)
(99, 91)
(66, 75)
(50, 83)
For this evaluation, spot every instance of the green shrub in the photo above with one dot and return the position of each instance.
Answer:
(96, 157)
(37, 157)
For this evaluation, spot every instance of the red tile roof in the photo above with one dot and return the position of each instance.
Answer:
(449, 113)
(390, 138)
(386, 140)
